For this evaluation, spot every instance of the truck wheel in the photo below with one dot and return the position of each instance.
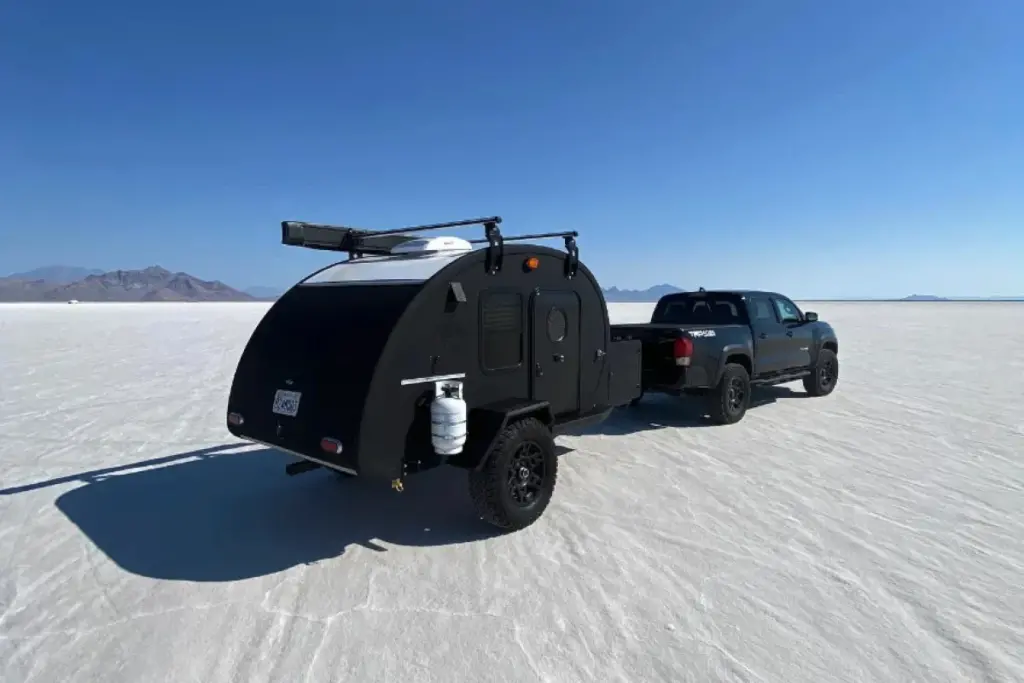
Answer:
(824, 376)
(515, 485)
(728, 402)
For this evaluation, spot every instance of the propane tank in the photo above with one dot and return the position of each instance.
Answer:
(448, 418)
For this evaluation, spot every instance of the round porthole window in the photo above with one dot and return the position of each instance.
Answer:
(557, 324)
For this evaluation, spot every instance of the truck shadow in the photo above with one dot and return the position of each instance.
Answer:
(661, 411)
(217, 515)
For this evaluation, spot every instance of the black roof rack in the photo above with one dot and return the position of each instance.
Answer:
(359, 242)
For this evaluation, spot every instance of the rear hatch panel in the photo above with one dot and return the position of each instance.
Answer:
(321, 343)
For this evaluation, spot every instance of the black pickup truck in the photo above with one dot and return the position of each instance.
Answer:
(718, 344)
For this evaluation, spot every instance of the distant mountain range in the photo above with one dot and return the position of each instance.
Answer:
(616, 295)
(61, 275)
(925, 298)
(67, 283)
(264, 292)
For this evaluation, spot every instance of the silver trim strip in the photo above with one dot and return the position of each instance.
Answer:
(349, 283)
(433, 378)
(300, 455)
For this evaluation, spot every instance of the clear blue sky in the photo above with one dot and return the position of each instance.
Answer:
(823, 148)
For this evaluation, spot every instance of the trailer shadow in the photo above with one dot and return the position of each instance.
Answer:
(211, 515)
(661, 411)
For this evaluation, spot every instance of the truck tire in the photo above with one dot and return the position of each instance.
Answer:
(729, 400)
(824, 375)
(515, 485)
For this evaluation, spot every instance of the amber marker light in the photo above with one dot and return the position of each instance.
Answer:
(531, 263)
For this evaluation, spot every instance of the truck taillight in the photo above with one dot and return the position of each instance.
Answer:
(682, 350)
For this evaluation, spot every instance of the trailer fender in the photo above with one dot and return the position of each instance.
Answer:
(485, 423)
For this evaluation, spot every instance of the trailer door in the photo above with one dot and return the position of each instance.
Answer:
(555, 349)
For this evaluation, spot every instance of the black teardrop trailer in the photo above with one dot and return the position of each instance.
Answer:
(417, 352)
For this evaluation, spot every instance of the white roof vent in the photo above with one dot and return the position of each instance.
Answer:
(432, 244)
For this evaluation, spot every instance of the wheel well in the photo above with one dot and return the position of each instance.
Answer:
(740, 359)
(487, 423)
(831, 346)
(542, 412)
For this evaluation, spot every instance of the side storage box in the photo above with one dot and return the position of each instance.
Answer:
(625, 366)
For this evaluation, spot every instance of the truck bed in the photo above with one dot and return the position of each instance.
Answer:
(660, 370)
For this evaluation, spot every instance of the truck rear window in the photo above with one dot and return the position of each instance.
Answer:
(699, 310)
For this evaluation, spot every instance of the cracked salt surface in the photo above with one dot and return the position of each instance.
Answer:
(874, 535)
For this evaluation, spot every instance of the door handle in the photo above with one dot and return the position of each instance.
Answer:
(559, 357)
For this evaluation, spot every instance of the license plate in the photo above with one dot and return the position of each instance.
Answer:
(287, 402)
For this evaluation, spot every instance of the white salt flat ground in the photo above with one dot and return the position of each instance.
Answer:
(874, 535)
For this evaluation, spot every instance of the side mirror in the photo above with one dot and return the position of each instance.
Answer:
(811, 317)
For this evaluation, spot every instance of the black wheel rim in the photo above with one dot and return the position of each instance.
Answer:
(736, 394)
(526, 473)
(827, 374)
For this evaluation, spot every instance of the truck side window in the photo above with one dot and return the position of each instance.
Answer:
(501, 330)
(788, 313)
(762, 309)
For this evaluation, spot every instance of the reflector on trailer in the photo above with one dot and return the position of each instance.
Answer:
(329, 445)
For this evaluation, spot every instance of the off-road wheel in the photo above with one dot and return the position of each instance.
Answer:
(728, 402)
(824, 376)
(515, 485)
